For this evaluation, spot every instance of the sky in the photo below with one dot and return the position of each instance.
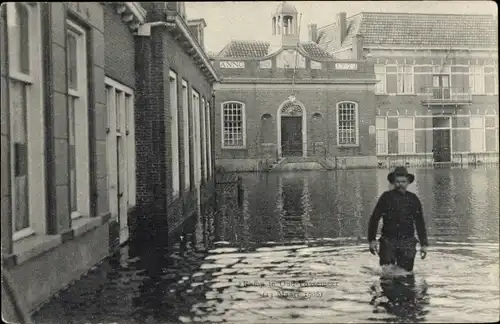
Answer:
(251, 20)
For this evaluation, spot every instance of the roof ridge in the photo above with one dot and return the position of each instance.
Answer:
(426, 14)
(248, 41)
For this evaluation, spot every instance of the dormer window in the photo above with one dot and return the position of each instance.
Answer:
(181, 8)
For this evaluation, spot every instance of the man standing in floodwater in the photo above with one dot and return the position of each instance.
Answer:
(401, 211)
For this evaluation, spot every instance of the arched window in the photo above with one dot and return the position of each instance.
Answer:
(287, 25)
(233, 124)
(347, 124)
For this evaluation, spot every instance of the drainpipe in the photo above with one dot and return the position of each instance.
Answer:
(212, 147)
(145, 29)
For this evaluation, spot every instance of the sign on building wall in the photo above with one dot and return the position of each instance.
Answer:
(267, 64)
(232, 65)
(315, 65)
(346, 66)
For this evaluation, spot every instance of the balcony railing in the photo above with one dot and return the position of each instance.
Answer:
(447, 95)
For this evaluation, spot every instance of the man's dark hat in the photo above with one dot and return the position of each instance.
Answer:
(400, 171)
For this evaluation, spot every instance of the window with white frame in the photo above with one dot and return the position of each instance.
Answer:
(209, 139)
(26, 119)
(380, 76)
(459, 79)
(185, 132)
(477, 134)
(347, 124)
(79, 179)
(174, 133)
(197, 138)
(381, 134)
(399, 79)
(120, 146)
(476, 79)
(405, 79)
(490, 80)
(391, 79)
(204, 137)
(406, 135)
(233, 125)
(422, 78)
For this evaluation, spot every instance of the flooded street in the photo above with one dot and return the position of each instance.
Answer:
(297, 253)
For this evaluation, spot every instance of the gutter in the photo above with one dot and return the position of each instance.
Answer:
(145, 30)
(137, 10)
(187, 32)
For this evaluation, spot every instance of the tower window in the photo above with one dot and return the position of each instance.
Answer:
(287, 25)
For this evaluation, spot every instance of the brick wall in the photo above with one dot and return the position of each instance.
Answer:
(323, 101)
(119, 48)
(252, 70)
(156, 56)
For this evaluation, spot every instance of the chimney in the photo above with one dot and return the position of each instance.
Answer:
(341, 28)
(313, 32)
(357, 47)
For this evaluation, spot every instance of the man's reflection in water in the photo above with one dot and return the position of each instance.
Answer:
(400, 296)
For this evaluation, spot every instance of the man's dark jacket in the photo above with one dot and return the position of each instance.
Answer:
(400, 212)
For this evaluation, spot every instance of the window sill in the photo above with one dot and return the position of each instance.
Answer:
(235, 148)
(35, 245)
(347, 145)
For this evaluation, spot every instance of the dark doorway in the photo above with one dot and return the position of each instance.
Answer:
(442, 145)
(291, 135)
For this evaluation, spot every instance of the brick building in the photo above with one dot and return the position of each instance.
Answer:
(106, 122)
(329, 118)
(437, 95)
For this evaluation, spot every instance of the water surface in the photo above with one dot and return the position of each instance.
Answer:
(297, 253)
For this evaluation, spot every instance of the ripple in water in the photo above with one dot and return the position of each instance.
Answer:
(296, 253)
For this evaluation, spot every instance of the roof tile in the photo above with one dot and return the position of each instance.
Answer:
(406, 29)
(258, 49)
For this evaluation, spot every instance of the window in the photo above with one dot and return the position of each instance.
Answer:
(477, 132)
(204, 137)
(347, 124)
(185, 132)
(380, 76)
(120, 147)
(460, 79)
(422, 75)
(26, 120)
(391, 82)
(233, 125)
(381, 134)
(406, 135)
(77, 118)
(405, 79)
(476, 79)
(174, 133)
(483, 80)
(396, 79)
(209, 139)
(197, 132)
(490, 80)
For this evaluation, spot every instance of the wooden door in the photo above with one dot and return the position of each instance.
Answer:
(291, 136)
(442, 145)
